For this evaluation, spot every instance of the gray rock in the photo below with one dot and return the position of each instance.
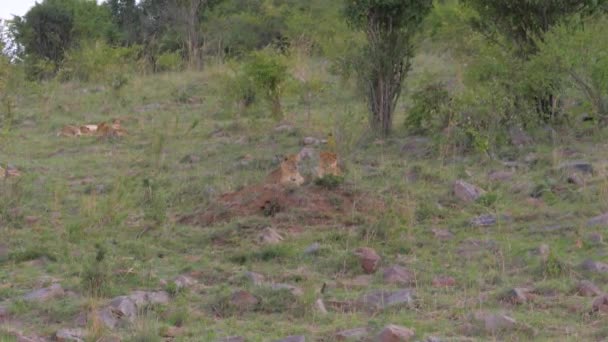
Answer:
(595, 239)
(293, 339)
(312, 249)
(586, 288)
(65, 335)
(467, 192)
(307, 153)
(398, 275)
(121, 311)
(395, 333)
(352, 334)
(381, 300)
(47, 293)
(255, 278)
(311, 141)
(184, 281)
(601, 220)
(577, 166)
(294, 290)
(232, 339)
(501, 176)
(600, 304)
(486, 220)
(594, 266)
(494, 322)
(144, 298)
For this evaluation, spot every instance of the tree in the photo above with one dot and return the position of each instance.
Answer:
(390, 26)
(267, 70)
(126, 15)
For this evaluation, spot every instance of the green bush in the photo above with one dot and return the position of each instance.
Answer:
(170, 61)
(430, 112)
(268, 71)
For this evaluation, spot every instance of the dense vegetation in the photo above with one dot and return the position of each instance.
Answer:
(470, 133)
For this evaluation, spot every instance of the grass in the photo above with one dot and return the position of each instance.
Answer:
(125, 197)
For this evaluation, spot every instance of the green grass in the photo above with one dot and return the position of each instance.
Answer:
(125, 196)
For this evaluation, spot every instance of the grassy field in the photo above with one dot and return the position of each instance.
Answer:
(106, 217)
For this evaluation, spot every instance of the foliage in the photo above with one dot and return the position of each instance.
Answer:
(169, 61)
(268, 72)
(389, 26)
(430, 107)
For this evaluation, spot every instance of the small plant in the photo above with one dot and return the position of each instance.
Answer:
(95, 276)
(553, 267)
(329, 181)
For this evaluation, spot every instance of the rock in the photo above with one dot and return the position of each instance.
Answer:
(444, 281)
(65, 335)
(319, 307)
(442, 234)
(576, 179)
(501, 176)
(369, 259)
(595, 239)
(600, 304)
(519, 138)
(144, 298)
(311, 141)
(577, 166)
(269, 236)
(121, 310)
(518, 295)
(312, 249)
(395, 333)
(283, 128)
(601, 220)
(594, 266)
(361, 281)
(307, 153)
(381, 300)
(586, 288)
(190, 159)
(184, 281)
(293, 339)
(172, 332)
(243, 300)
(398, 275)
(232, 339)
(31, 220)
(255, 278)
(467, 192)
(294, 290)
(544, 251)
(471, 247)
(486, 220)
(494, 322)
(352, 334)
(47, 293)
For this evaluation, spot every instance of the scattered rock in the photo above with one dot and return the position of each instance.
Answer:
(269, 236)
(519, 138)
(486, 220)
(66, 335)
(577, 166)
(243, 300)
(313, 249)
(501, 176)
(47, 293)
(518, 295)
(600, 304)
(494, 322)
(120, 311)
(232, 339)
(190, 159)
(144, 298)
(293, 339)
(594, 266)
(398, 275)
(381, 300)
(255, 278)
(184, 281)
(444, 281)
(395, 333)
(352, 334)
(442, 234)
(467, 192)
(586, 288)
(319, 306)
(601, 220)
(369, 259)
(294, 290)
(311, 141)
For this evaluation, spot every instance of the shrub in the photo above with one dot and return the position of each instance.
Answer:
(169, 61)
(268, 71)
(430, 112)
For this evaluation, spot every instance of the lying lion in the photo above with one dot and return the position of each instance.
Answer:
(287, 173)
(103, 129)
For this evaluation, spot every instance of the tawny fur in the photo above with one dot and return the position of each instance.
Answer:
(70, 131)
(287, 173)
(328, 164)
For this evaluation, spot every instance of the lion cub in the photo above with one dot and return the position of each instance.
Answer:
(328, 164)
(287, 173)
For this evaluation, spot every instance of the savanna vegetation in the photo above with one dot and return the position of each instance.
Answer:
(441, 166)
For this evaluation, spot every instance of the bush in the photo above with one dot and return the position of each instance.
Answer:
(267, 70)
(430, 112)
(169, 61)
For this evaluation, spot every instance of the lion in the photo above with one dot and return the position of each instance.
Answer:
(328, 164)
(287, 173)
(70, 131)
(111, 130)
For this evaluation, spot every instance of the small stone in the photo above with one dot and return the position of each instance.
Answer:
(143, 298)
(395, 333)
(269, 236)
(243, 300)
(467, 192)
(442, 234)
(601, 220)
(119, 310)
(444, 281)
(369, 259)
(594, 266)
(352, 334)
(600, 304)
(66, 335)
(398, 275)
(319, 306)
(255, 278)
(312, 249)
(501, 176)
(518, 295)
(494, 322)
(486, 220)
(586, 288)
(45, 294)
(577, 166)
(311, 141)
(184, 281)
(381, 300)
(293, 339)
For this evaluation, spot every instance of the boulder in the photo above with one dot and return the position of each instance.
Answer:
(586, 288)
(382, 300)
(494, 322)
(601, 220)
(467, 192)
(45, 294)
(255, 278)
(243, 300)
(269, 236)
(594, 266)
(144, 298)
(121, 311)
(600, 304)
(395, 333)
(356, 334)
(398, 275)
(69, 335)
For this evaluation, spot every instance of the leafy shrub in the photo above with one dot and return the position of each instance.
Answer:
(430, 112)
(329, 181)
(170, 61)
(268, 71)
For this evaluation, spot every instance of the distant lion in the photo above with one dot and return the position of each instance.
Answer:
(70, 131)
(328, 165)
(287, 173)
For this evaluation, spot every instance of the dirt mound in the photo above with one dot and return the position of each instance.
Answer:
(309, 205)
